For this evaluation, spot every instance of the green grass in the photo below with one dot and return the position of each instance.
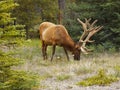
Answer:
(117, 69)
(100, 79)
(62, 77)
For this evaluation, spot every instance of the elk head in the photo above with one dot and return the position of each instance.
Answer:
(76, 52)
(88, 31)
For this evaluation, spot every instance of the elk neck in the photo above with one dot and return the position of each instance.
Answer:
(70, 45)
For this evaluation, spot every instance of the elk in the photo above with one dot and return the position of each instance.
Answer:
(57, 35)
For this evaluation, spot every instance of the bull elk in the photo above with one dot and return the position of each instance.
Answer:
(52, 34)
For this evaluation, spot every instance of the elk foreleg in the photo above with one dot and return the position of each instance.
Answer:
(66, 53)
(43, 50)
(53, 52)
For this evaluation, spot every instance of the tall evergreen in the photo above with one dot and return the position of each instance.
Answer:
(10, 33)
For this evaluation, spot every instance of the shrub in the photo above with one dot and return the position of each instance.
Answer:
(100, 79)
(13, 79)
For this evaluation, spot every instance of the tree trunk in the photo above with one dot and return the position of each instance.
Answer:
(61, 4)
(27, 32)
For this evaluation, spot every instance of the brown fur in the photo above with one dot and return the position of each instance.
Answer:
(52, 34)
(44, 26)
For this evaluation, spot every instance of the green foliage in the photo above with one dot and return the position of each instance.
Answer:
(33, 12)
(100, 79)
(104, 47)
(18, 80)
(6, 60)
(110, 17)
(13, 79)
(49, 10)
(26, 13)
(10, 34)
(117, 69)
(63, 77)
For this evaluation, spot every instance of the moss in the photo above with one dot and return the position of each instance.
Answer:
(100, 79)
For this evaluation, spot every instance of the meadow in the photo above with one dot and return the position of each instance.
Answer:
(61, 74)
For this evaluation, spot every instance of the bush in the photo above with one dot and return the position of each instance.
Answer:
(100, 79)
(13, 79)
(19, 80)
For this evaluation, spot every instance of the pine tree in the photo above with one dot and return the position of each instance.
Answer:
(11, 33)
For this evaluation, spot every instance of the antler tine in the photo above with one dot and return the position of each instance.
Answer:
(84, 25)
(88, 22)
(99, 28)
(90, 26)
(95, 30)
(80, 21)
(94, 23)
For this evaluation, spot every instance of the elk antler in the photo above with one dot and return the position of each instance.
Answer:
(89, 31)
(84, 25)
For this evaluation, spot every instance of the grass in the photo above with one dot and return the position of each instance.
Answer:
(63, 77)
(117, 69)
(100, 79)
(61, 69)
(84, 68)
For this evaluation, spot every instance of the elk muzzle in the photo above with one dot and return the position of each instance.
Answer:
(77, 55)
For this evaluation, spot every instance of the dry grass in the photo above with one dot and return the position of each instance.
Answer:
(88, 65)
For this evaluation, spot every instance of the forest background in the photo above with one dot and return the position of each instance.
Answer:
(33, 12)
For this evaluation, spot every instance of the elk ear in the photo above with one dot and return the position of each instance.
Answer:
(77, 46)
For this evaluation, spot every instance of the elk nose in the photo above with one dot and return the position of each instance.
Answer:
(77, 58)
